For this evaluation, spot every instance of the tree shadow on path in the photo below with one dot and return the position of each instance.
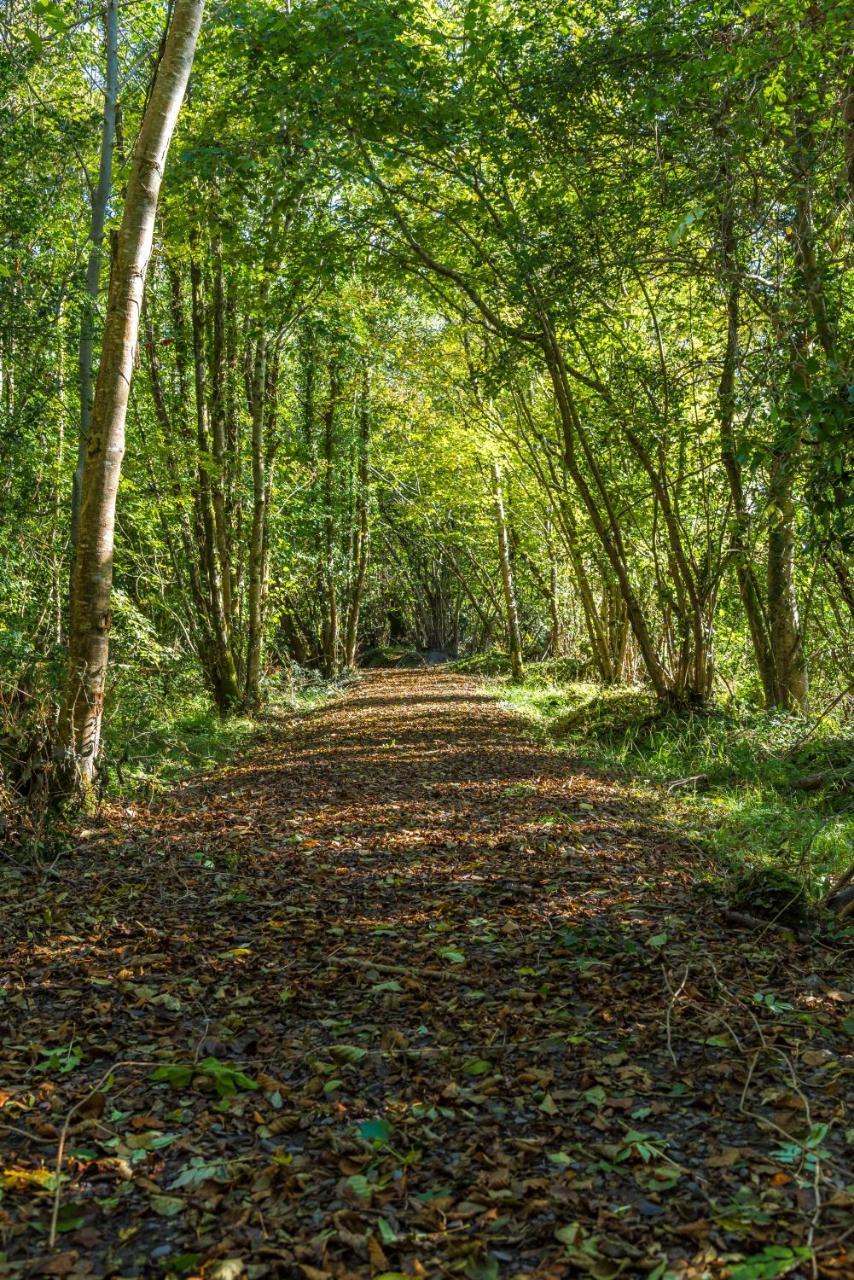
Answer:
(494, 1026)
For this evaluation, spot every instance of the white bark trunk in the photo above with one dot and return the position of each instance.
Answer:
(93, 570)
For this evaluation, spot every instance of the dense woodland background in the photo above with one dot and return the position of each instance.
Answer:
(520, 333)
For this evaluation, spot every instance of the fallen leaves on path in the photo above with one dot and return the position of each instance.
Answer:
(406, 994)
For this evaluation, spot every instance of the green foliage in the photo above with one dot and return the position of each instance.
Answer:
(493, 663)
(744, 808)
(413, 206)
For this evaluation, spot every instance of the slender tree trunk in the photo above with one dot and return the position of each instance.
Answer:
(218, 432)
(233, 508)
(606, 527)
(58, 586)
(91, 597)
(513, 633)
(596, 630)
(330, 636)
(100, 202)
(225, 681)
(361, 539)
(271, 448)
(555, 637)
(259, 509)
(748, 587)
(790, 674)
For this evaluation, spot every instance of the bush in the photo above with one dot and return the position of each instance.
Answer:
(492, 663)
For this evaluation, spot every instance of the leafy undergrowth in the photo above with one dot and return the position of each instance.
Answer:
(496, 662)
(156, 738)
(405, 993)
(160, 728)
(744, 807)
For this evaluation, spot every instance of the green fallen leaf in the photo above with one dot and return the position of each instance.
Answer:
(482, 1269)
(227, 1080)
(477, 1067)
(172, 1073)
(378, 1130)
(774, 1260)
(71, 1216)
(451, 955)
(167, 1206)
(347, 1052)
(198, 1171)
(182, 1262)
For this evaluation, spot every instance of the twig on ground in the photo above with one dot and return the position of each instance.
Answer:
(674, 996)
(754, 922)
(60, 1151)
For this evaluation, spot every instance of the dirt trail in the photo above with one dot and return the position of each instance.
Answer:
(493, 1027)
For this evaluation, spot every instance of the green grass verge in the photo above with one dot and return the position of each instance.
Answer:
(157, 734)
(748, 814)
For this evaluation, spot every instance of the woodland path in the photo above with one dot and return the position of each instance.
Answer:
(494, 1028)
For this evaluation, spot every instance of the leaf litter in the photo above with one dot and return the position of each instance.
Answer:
(444, 1008)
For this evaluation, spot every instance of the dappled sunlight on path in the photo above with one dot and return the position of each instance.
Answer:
(493, 1027)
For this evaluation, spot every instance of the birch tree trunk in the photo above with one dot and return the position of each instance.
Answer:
(100, 201)
(91, 591)
(507, 578)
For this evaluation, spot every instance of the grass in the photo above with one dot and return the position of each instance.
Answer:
(748, 815)
(158, 733)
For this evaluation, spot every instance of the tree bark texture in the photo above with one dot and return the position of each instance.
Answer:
(513, 632)
(91, 597)
(100, 202)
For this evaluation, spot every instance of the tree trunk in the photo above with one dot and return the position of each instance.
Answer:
(91, 596)
(606, 527)
(224, 673)
(790, 674)
(361, 532)
(514, 637)
(330, 630)
(100, 201)
(218, 432)
(748, 587)
(259, 508)
(554, 607)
